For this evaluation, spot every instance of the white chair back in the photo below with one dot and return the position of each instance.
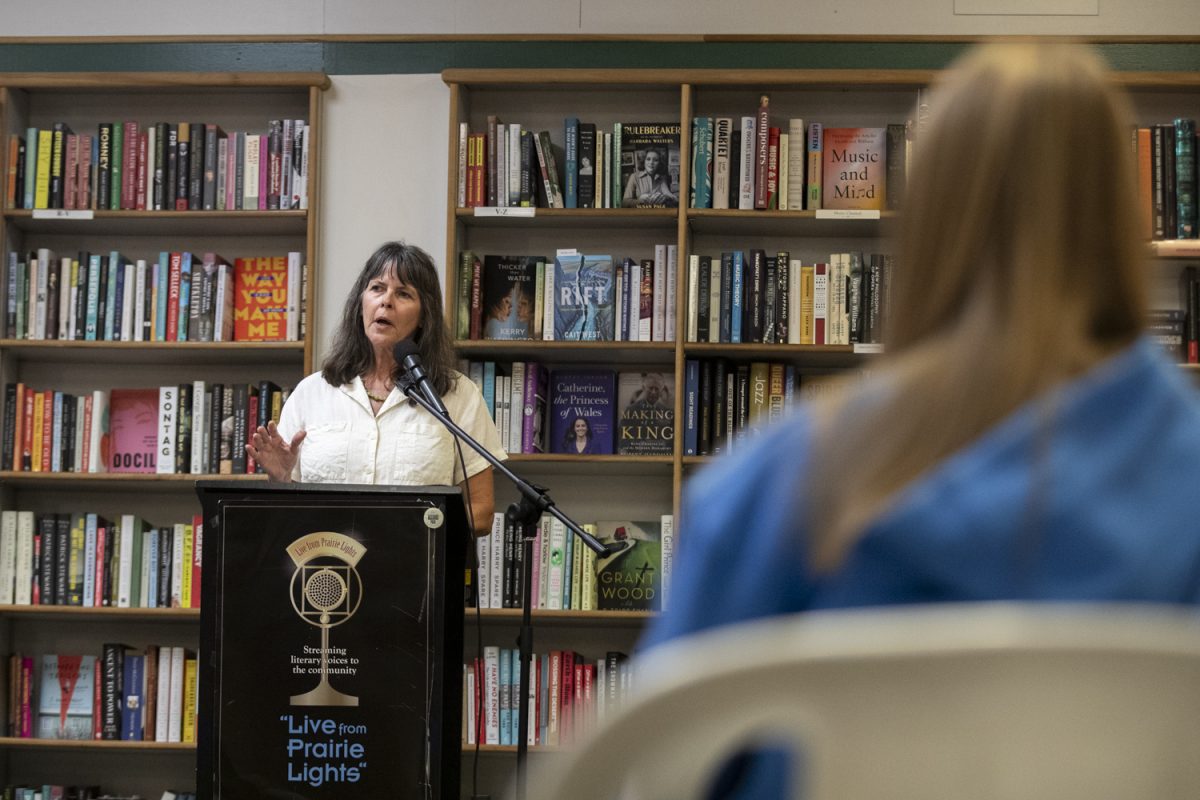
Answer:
(980, 701)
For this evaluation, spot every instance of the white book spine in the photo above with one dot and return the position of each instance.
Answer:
(517, 395)
(45, 263)
(89, 561)
(714, 300)
(64, 297)
(821, 303)
(168, 420)
(304, 147)
(127, 300)
(794, 295)
(794, 166)
(8, 555)
(693, 298)
(543, 565)
(619, 303)
(464, 131)
(23, 590)
(162, 707)
(73, 325)
(548, 299)
(144, 571)
(139, 300)
(295, 267)
(77, 459)
(175, 711)
(668, 556)
(496, 569)
(491, 686)
(782, 161)
(125, 565)
(658, 325)
(96, 432)
(634, 294)
(746, 186)
(514, 164)
(483, 571)
(199, 428)
(178, 532)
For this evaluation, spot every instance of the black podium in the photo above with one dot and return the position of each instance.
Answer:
(331, 641)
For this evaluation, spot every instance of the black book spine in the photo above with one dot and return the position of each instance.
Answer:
(102, 300)
(103, 166)
(735, 166)
(171, 174)
(47, 560)
(587, 165)
(783, 302)
(111, 680)
(160, 167)
(719, 430)
(53, 287)
(68, 433)
(214, 429)
(182, 164)
(241, 397)
(752, 319)
(19, 194)
(726, 315)
(166, 539)
(195, 179)
(704, 414)
(183, 431)
(10, 425)
(62, 559)
(1170, 199)
(81, 283)
(770, 298)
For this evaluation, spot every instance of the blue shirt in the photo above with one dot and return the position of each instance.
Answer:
(1115, 516)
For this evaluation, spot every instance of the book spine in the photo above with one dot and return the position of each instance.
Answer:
(1185, 179)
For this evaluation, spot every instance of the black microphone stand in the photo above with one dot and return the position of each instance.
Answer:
(526, 511)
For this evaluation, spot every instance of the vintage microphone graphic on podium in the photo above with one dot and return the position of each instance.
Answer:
(325, 591)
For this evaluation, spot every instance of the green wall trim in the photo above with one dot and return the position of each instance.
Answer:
(382, 58)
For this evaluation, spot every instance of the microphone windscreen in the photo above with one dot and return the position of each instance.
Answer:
(403, 349)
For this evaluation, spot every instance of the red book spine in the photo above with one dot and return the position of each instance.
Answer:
(821, 284)
(47, 428)
(71, 172)
(197, 550)
(101, 556)
(773, 168)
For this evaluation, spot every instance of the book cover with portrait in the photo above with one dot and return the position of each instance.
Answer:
(650, 164)
(647, 406)
(582, 404)
(133, 430)
(509, 286)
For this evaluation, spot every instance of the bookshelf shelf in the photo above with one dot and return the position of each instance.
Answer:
(592, 218)
(796, 224)
(576, 353)
(108, 746)
(547, 617)
(147, 353)
(180, 223)
(114, 481)
(109, 614)
(231, 103)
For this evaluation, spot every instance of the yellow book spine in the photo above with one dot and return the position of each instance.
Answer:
(41, 183)
(807, 276)
(188, 734)
(39, 408)
(185, 590)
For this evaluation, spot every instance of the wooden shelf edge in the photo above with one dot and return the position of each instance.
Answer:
(94, 744)
(571, 616)
(11, 476)
(39, 344)
(84, 613)
(136, 80)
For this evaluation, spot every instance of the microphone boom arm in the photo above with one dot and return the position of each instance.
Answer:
(532, 496)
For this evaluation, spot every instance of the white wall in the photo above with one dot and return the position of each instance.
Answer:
(896, 17)
(384, 151)
(383, 173)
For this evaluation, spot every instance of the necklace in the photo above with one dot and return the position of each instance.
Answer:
(376, 399)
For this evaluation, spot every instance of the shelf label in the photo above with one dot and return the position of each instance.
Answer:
(868, 348)
(847, 213)
(505, 211)
(62, 213)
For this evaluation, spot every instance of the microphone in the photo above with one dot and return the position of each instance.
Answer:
(408, 356)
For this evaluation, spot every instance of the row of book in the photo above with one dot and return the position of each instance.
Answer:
(177, 297)
(757, 297)
(85, 559)
(160, 166)
(724, 402)
(568, 695)
(749, 164)
(197, 428)
(567, 575)
(573, 297)
(1166, 174)
(633, 165)
(578, 412)
(121, 694)
(55, 791)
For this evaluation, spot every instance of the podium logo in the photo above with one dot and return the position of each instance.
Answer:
(326, 590)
